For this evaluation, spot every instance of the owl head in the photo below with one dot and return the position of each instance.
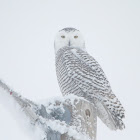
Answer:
(69, 37)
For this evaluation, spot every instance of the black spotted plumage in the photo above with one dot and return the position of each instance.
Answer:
(80, 74)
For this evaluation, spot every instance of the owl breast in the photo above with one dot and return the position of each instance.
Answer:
(65, 81)
(76, 75)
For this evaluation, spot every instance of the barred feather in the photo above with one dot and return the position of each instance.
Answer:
(80, 74)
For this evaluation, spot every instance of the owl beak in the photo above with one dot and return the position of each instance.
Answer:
(69, 43)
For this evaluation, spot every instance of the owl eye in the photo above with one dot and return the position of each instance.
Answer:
(75, 36)
(62, 36)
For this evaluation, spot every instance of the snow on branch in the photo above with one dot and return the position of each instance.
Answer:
(64, 118)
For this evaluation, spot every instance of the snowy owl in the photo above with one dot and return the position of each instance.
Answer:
(80, 74)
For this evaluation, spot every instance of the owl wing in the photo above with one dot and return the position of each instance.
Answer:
(89, 76)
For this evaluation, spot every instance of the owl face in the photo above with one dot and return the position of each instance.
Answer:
(69, 37)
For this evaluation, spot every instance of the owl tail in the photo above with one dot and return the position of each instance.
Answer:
(111, 113)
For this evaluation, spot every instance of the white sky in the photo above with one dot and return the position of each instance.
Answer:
(112, 35)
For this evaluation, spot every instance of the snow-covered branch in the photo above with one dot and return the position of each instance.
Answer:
(64, 118)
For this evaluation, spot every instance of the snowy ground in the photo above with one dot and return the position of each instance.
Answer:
(112, 34)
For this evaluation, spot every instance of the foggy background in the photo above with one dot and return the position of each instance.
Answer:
(27, 60)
